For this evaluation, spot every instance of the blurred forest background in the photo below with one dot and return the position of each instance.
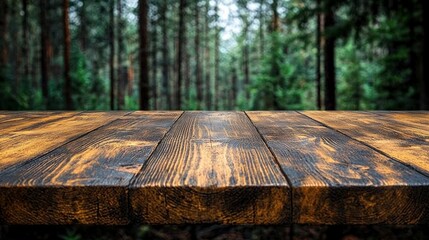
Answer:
(214, 54)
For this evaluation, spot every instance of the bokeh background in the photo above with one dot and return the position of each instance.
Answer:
(214, 54)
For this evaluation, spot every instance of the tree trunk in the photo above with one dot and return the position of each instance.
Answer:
(329, 64)
(25, 43)
(199, 81)
(412, 53)
(208, 95)
(67, 40)
(272, 100)
(217, 93)
(130, 76)
(121, 80)
(143, 55)
(245, 49)
(4, 8)
(187, 71)
(261, 28)
(44, 56)
(180, 53)
(112, 53)
(246, 69)
(318, 56)
(154, 57)
(234, 88)
(83, 26)
(165, 57)
(424, 82)
(276, 18)
(16, 56)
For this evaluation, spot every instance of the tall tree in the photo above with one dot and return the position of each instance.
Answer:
(318, 55)
(25, 41)
(234, 81)
(67, 41)
(261, 30)
(121, 50)
(4, 7)
(143, 55)
(44, 56)
(154, 58)
(198, 74)
(83, 29)
(207, 67)
(245, 45)
(165, 56)
(180, 52)
(217, 92)
(112, 53)
(187, 68)
(424, 81)
(275, 68)
(16, 56)
(329, 56)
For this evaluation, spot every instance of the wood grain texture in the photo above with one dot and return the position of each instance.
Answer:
(411, 124)
(16, 115)
(86, 180)
(416, 119)
(22, 145)
(409, 145)
(17, 122)
(337, 180)
(212, 167)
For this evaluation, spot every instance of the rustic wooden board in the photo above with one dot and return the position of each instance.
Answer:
(212, 167)
(337, 180)
(416, 119)
(21, 121)
(412, 124)
(403, 144)
(23, 145)
(84, 181)
(16, 115)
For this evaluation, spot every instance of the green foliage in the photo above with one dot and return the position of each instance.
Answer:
(286, 77)
(82, 85)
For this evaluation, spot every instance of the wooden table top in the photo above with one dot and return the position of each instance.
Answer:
(214, 167)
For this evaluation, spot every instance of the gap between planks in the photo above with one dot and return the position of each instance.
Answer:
(133, 179)
(289, 182)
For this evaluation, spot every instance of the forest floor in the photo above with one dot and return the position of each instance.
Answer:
(218, 232)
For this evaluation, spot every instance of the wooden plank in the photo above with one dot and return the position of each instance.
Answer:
(86, 180)
(412, 125)
(23, 145)
(405, 145)
(19, 115)
(416, 119)
(337, 180)
(21, 121)
(398, 124)
(212, 167)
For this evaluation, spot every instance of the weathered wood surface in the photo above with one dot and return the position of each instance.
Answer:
(15, 122)
(406, 144)
(335, 179)
(84, 181)
(41, 137)
(214, 167)
(211, 167)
